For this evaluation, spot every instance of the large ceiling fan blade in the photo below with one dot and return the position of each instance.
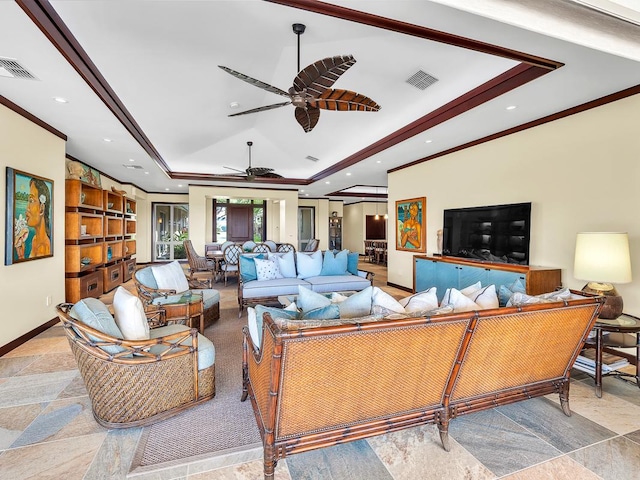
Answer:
(235, 169)
(319, 76)
(307, 117)
(344, 100)
(254, 82)
(261, 109)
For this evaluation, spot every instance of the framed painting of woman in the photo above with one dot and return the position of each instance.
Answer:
(411, 234)
(29, 217)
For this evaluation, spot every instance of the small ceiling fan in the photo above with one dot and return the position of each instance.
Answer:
(311, 89)
(252, 172)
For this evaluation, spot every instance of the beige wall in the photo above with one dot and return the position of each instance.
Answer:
(26, 286)
(581, 173)
(282, 206)
(355, 227)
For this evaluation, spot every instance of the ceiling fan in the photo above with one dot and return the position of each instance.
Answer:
(311, 89)
(252, 172)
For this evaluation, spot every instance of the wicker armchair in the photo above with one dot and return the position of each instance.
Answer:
(150, 294)
(198, 263)
(139, 382)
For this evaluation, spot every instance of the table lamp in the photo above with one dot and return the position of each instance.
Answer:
(602, 258)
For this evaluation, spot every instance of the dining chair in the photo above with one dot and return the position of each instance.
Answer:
(198, 263)
(261, 248)
(285, 247)
(231, 259)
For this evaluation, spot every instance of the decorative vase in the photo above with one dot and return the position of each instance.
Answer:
(109, 254)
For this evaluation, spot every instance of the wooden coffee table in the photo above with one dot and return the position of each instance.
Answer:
(184, 309)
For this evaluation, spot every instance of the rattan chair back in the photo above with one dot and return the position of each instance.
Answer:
(261, 248)
(285, 247)
(312, 246)
(197, 263)
(231, 259)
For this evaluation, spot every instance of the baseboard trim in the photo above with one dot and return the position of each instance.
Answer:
(27, 336)
(400, 287)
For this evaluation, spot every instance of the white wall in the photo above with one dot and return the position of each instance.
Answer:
(25, 286)
(581, 173)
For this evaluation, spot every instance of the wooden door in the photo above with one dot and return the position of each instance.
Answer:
(239, 222)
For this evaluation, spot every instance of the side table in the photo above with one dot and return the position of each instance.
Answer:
(623, 328)
(185, 309)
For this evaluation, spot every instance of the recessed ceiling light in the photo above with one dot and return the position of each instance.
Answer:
(428, 141)
(146, 173)
(234, 105)
(348, 174)
(306, 194)
(180, 185)
(512, 107)
(328, 183)
(61, 100)
(302, 189)
(108, 140)
(131, 160)
(167, 189)
(378, 161)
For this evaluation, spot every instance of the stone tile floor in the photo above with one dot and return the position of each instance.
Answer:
(47, 431)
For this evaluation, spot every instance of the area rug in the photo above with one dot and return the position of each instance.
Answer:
(217, 427)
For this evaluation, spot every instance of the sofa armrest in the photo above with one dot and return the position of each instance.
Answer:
(366, 274)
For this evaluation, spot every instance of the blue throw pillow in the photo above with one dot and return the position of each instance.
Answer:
(505, 291)
(334, 264)
(352, 263)
(275, 313)
(309, 300)
(248, 267)
(328, 312)
(357, 305)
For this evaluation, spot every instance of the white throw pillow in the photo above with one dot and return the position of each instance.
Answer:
(485, 297)
(253, 327)
(380, 298)
(459, 301)
(421, 301)
(287, 264)
(309, 265)
(130, 315)
(170, 276)
(267, 269)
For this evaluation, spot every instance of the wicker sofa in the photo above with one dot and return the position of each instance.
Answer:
(318, 387)
(252, 291)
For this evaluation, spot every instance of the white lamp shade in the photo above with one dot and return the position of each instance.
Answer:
(602, 257)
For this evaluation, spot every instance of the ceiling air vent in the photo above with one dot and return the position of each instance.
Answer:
(313, 159)
(9, 67)
(133, 167)
(421, 80)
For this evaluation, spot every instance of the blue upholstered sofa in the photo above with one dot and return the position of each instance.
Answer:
(320, 271)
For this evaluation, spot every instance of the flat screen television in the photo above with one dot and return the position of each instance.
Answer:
(496, 233)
